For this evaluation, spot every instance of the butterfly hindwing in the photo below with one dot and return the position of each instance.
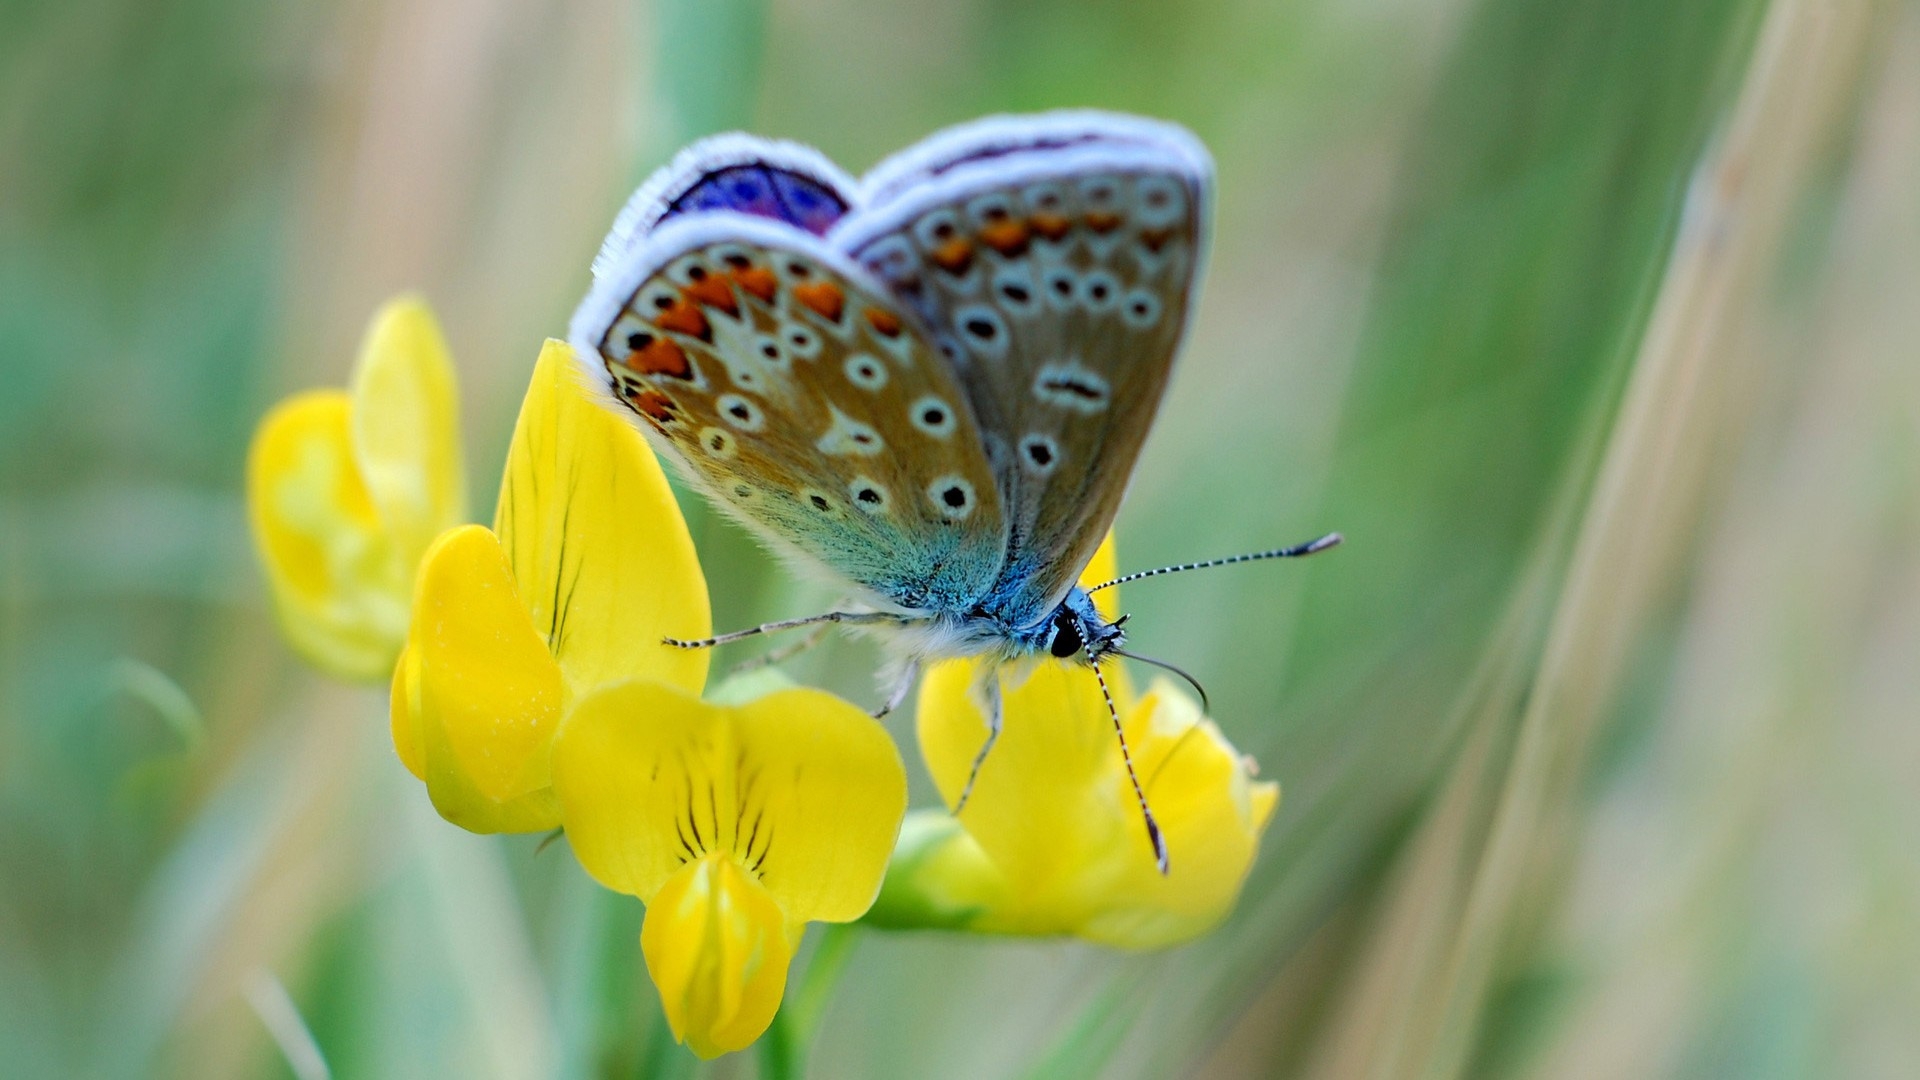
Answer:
(788, 386)
(1054, 260)
(769, 178)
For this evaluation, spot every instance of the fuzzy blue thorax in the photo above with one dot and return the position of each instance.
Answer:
(1074, 630)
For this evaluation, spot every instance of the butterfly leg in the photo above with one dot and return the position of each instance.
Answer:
(989, 690)
(850, 618)
(901, 688)
(785, 652)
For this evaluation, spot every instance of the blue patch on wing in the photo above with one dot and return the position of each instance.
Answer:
(764, 191)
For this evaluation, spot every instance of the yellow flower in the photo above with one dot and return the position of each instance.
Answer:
(587, 567)
(347, 489)
(736, 825)
(1051, 840)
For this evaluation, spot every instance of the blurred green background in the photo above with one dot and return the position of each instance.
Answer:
(1591, 323)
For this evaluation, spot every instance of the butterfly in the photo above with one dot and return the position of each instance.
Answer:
(929, 385)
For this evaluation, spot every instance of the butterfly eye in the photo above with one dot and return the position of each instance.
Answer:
(1067, 641)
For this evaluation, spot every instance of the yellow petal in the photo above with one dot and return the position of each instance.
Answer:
(1212, 815)
(406, 427)
(938, 878)
(488, 694)
(1264, 799)
(717, 947)
(1042, 804)
(596, 542)
(802, 789)
(1057, 818)
(1104, 567)
(632, 767)
(828, 780)
(403, 715)
(339, 586)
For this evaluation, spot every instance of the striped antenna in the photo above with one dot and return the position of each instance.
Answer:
(1293, 552)
(1153, 827)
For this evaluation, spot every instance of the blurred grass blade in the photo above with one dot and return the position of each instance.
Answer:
(1684, 401)
(484, 923)
(146, 683)
(1485, 859)
(185, 909)
(281, 1017)
(709, 53)
(1086, 1048)
(1538, 203)
(784, 1048)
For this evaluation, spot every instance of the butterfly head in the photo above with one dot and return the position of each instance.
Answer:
(1078, 630)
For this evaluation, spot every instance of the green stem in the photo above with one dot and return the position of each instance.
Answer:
(783, 1051)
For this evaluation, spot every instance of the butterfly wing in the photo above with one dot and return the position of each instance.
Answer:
(770, 178)
(1055, 259)
(785, 384)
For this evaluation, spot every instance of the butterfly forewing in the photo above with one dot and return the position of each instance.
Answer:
(1056, 268)
(786, 385)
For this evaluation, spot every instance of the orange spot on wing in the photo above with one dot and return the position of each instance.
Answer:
(684, 317)
(1009, 238)
(1155, 239)
(1051, 226)
(661, 357)
(653, 405)
(714, 293)
(759, 281)
(954, 256)
(822, 296)
(884, 323)
(1102, 221)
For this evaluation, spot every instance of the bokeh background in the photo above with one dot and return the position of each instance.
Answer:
(1592, 323)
